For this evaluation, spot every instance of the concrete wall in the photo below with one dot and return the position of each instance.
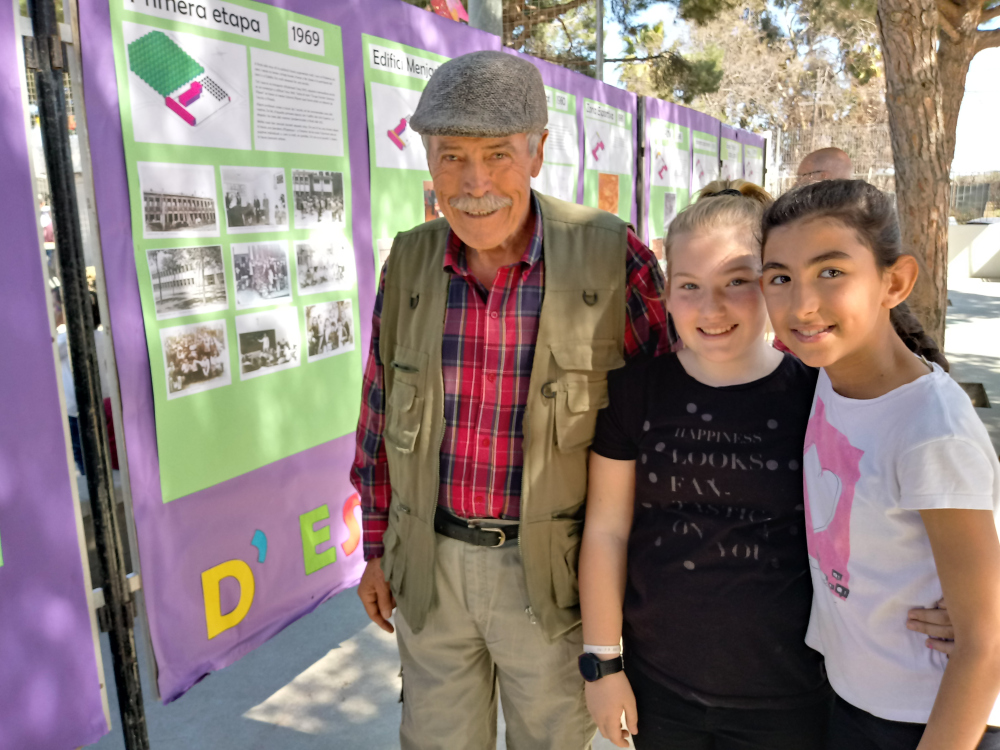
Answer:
(974, 251)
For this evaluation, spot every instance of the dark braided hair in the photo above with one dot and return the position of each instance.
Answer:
(869, 212)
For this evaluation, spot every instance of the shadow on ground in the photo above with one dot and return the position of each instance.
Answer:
(328, 680)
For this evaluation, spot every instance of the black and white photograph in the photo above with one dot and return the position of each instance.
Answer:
(178, 200)
(261, 272)
(324, 264)
(319, 198)
(269, 342)
(330, 328)
(195, 358)
(187, 281)
(255, 198)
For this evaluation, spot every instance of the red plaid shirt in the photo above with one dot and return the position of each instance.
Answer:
(487, 354)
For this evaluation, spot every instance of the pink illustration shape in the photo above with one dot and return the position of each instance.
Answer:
(181, 112)
(191, 95)
(598, 147)
(831, 546)
(396, 132)
(663, 169)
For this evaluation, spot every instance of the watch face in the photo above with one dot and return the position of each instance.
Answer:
(590, 667)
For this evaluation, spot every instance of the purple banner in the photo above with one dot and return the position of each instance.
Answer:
(50, 682)
(226, 568)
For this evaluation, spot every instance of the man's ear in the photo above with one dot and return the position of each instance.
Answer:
(539, 158)
(900, 278)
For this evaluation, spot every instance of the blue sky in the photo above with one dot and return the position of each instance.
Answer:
(977, 146)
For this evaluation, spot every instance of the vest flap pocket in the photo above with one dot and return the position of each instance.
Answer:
(600, 355)
(402, 417)
(583, 396)
(577, 405)
(565, 551)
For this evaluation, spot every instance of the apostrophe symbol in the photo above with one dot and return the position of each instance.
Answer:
(260, 542)
(352, 524)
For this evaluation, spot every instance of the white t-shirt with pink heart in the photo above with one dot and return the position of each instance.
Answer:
(869, 467)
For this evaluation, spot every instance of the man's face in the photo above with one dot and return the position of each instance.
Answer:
(483, 185)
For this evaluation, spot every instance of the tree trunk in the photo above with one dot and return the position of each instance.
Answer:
(922, 146)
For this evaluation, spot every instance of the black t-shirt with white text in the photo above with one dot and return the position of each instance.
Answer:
(719, 592)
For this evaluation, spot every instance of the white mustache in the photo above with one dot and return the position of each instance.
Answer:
(485, 204)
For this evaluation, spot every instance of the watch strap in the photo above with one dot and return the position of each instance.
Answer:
(607, 667)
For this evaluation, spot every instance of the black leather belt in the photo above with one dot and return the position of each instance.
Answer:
(482, 532)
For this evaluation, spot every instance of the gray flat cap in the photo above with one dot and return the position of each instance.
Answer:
(482, 95)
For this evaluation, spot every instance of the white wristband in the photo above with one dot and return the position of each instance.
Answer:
(602, 650)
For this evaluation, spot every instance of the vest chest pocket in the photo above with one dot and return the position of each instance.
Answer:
(403, 413)
(404, 408)
(581, 389)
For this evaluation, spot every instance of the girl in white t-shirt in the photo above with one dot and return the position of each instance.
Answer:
(902, 484)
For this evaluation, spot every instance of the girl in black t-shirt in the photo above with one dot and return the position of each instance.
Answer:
(694, 548)
(694, 551)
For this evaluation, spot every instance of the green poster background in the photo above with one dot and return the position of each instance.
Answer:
(207, 437)
(666, 135)
(397, 193)
(591, 175)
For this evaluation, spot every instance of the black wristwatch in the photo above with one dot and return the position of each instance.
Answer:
(593, 668)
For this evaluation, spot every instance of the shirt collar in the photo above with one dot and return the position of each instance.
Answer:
(454, 255)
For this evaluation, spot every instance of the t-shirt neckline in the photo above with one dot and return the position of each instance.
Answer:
(737, 386)
(935, 373)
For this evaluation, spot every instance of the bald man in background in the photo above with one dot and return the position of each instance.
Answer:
(824, 164)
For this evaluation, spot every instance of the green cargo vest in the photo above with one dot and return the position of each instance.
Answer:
(580, 338)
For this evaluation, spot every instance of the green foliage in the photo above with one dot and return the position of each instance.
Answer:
(764, 63)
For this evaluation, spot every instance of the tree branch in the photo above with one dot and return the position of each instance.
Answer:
(548, 14)
(987, 39)
(637, 60)
(948, 10)
(989, 14)
(948, 28)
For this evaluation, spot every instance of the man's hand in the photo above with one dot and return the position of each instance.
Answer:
(606, 699)
(936, 623)
(375, 595)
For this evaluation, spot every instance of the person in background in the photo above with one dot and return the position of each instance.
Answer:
(66, 372)
(824, 164)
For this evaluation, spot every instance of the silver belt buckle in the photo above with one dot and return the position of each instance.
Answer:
(503, 537)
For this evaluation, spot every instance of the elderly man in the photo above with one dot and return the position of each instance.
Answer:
(494, 330)
(824, 164)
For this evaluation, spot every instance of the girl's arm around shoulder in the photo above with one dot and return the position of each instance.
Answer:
(967, 554)
(603, 570)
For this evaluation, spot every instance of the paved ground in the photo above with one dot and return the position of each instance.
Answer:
(330, 680)
(972, 343)
(327, 681)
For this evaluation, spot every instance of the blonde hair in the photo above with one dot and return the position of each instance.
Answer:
(743, 211)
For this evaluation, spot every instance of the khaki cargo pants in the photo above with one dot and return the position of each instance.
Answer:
(479, 637)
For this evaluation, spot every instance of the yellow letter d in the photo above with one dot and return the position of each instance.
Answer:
(210, 579)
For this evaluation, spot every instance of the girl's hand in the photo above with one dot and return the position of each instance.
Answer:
(936, 623)
(606, 699)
